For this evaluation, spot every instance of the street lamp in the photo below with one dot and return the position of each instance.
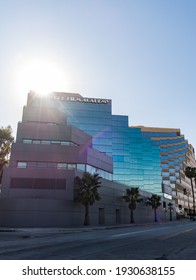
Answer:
(187, 193)
(170, 207)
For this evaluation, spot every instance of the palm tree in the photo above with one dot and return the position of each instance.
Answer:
(154, 201)
(86, 191)
(132, 196)
(190, 172)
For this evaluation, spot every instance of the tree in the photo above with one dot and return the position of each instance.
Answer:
(190, 172)
(154, 201)
(6, 140)
(86, 191)
(132, 196)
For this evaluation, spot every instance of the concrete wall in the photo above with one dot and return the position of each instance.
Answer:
(60, 209)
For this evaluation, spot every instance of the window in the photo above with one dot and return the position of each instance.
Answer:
(61, 165)
(32, 164)
(52, 165)
(91, 169)
(27, 141)
(22, 164)
(46, 142)
(42, 164)
(36, 141)
(71, 166)
(65, 143)
(55, 142)
(81, 167)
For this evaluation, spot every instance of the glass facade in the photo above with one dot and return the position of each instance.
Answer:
(95, 119)
(173, 150)
(149, 158)
(136, 159)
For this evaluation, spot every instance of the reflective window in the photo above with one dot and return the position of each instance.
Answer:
(71, 166)
(36, 142)
(27, 141)
(52, 165)
(32, 164)
(91, 169)
(46, 142)
(61, 165)
(65, 143)
(81, 167)
(21, 164)
(55, 142)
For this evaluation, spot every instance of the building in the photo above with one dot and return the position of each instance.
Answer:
(64, 134)
(176, 153)
(136, 159)
(44, 161)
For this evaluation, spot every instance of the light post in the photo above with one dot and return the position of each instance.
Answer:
(165, 210)
(187, 193)
(170, 210)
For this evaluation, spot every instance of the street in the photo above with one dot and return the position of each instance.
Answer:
(169, 241)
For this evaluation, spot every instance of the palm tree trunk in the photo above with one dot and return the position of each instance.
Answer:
(155, 214)
(188, 204)
(86, 215)
(132, 218)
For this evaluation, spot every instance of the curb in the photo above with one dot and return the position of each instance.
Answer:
(78, 229)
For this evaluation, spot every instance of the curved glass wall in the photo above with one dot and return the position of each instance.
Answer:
(173, 151)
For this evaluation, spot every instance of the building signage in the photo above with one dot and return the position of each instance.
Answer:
(79, 99)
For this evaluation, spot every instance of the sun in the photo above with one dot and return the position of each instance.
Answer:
(39, 74)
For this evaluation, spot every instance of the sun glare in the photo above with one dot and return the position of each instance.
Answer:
(40, 75)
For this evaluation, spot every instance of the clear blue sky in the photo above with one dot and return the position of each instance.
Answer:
(139, 53)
